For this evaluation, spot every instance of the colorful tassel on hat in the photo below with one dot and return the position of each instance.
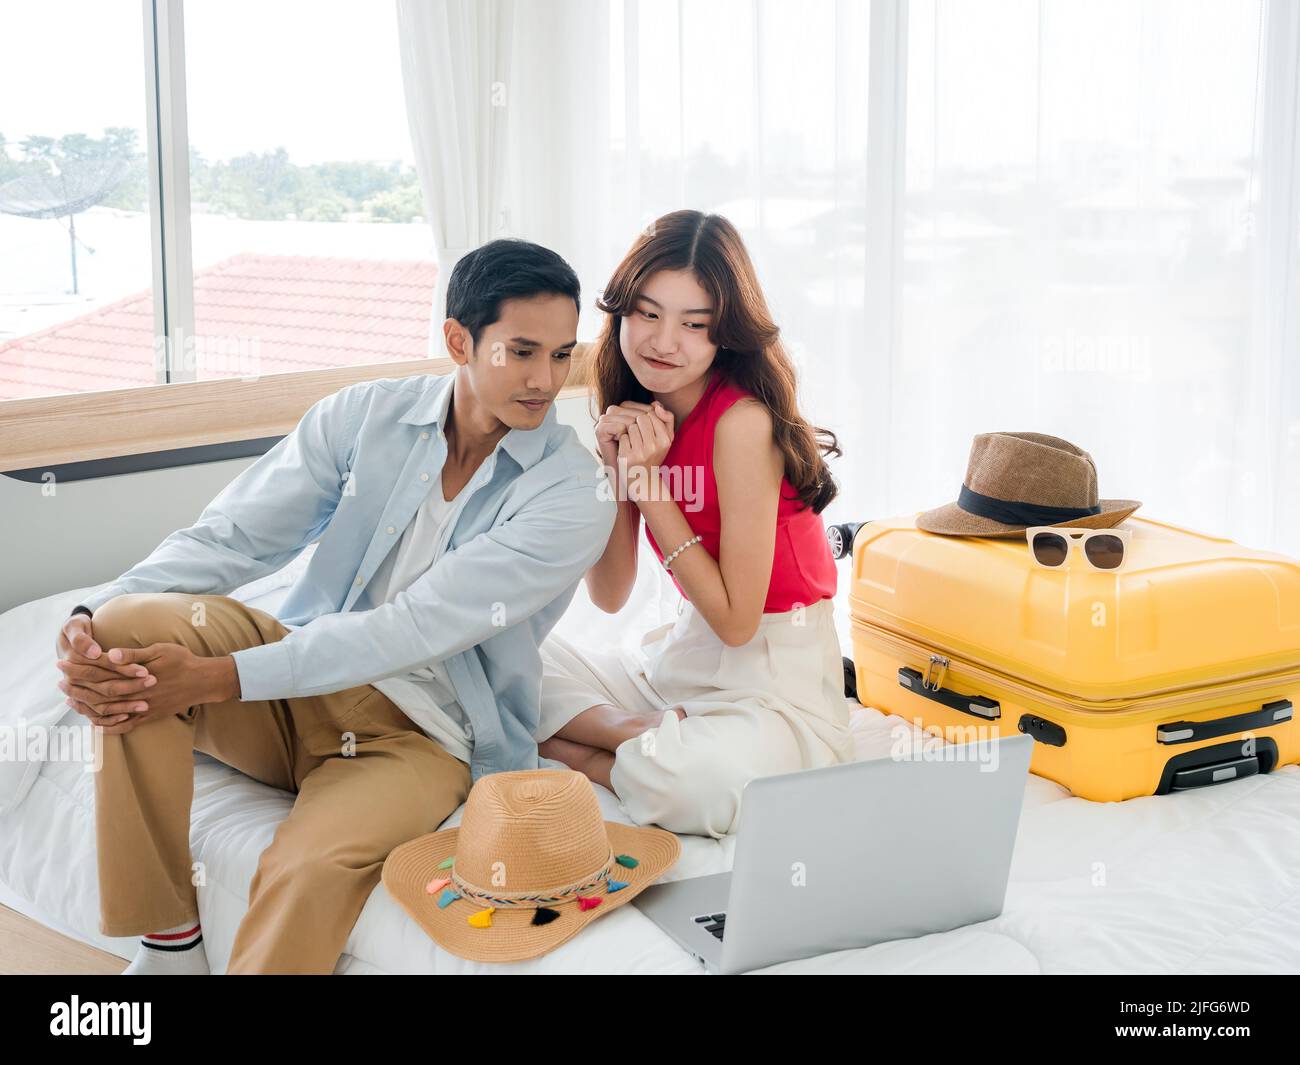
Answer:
(585, 903)
(448, 863)
(543, 915)
(627, 861)
(434, 886)
(447, 898)
(617, 885)
(482, 919)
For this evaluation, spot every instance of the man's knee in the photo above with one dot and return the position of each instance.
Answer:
(137, 619)
(128, 620)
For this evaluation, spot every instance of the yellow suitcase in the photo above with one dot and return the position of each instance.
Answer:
(1177, 671)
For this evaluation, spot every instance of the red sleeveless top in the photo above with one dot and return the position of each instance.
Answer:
(803, 570)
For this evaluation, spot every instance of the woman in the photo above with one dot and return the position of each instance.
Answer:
(702, 435)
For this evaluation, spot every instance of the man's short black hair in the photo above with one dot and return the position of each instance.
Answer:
(503, 270)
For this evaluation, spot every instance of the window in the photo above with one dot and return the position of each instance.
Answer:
(76, 301)
(310, 248)
(1080, 184)
(295, 242)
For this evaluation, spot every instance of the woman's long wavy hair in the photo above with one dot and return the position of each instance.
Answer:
(750, 351)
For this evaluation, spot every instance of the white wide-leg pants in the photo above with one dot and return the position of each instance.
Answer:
(774, 705)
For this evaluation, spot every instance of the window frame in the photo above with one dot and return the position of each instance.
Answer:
(169, 182)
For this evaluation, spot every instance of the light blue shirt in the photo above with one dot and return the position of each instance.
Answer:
(537, 514)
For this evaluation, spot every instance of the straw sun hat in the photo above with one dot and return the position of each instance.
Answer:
(1017, 480)
(531, 865)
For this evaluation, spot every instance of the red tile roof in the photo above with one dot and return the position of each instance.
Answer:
(304, 313)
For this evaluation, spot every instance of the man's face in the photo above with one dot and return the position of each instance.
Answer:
(521, 360)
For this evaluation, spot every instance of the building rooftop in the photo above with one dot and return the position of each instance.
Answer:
(288, 312)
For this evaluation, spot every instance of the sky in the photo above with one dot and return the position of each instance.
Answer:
(323, 79)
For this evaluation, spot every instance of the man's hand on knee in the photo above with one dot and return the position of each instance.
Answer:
(83, 663)
(101, 694)
(77, 644)
(181, 679)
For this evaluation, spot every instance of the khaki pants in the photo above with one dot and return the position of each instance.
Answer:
(366, 779)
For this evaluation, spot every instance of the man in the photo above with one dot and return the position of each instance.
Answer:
(455, 517)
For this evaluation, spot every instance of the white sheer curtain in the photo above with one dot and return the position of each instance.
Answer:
(510, 121)
(505, 104)
(1072, 216)
(759, 111)
(1101, 243)
(456, 57)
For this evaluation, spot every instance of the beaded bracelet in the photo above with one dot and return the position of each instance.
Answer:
(683, 547)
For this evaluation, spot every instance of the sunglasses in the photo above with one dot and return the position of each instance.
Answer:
(1105, 549)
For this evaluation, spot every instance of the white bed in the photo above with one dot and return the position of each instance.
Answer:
(1204, 881)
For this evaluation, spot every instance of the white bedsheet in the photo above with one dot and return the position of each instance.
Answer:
(1202, 881)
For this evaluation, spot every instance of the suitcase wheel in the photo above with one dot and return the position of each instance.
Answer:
(850, 679)
(840, 537)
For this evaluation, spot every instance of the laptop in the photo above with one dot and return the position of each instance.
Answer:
(855, 854)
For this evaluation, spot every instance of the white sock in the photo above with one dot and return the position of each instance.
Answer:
(172, 952)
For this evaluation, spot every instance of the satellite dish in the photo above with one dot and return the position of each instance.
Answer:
(78, 185)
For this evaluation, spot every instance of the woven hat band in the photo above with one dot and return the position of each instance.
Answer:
(1011, 512)
(547, 897)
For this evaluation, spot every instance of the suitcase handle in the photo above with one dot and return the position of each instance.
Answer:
(978, 705)
(1216, 773)
(1217, 763)
(1189, 731)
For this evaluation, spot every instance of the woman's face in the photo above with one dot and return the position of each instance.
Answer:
(665, 338)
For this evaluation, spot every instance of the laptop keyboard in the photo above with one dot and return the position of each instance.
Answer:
(714, 923)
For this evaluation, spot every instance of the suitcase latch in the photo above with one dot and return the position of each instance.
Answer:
(933, 679)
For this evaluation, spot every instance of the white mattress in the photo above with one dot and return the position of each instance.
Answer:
(1202, 881)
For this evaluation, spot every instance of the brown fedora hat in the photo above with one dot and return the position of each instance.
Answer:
(531, 865)
(1016, 480)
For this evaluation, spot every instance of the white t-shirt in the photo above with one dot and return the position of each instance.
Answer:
(425, 695)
